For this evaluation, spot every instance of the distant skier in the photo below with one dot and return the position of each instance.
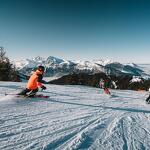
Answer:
(148, 98)
(34, 82)
(105, 84)
(101, 83)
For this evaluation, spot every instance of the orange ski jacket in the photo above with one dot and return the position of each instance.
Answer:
(35, 80)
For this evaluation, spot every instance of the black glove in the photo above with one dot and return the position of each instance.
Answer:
(43, 87)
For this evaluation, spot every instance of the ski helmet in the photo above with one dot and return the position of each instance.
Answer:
(41, 68)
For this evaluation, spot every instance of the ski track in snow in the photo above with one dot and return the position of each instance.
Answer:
(73, 118)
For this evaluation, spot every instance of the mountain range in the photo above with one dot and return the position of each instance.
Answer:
(57, 67)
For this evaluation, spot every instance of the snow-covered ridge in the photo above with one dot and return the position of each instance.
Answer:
(59, 67)
(53, 61)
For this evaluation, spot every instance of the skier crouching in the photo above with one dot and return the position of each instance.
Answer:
(34, 82)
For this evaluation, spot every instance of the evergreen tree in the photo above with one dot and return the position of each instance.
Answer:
(7, 71)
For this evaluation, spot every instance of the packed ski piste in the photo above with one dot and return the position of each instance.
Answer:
(40, 116)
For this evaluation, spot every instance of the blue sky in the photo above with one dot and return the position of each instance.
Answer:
(76, 29)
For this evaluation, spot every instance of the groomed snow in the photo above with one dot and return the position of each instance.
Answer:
(74, 117)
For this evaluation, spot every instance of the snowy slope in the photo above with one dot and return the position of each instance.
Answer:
(74, 117)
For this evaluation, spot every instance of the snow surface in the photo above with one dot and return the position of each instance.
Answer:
(73, 118)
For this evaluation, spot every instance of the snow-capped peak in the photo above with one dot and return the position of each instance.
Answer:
(55, 60)
(38, 58)
(103, 62)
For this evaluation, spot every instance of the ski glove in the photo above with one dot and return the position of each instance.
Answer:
(43, 87)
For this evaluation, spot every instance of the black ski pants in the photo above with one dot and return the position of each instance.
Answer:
(148, 99)
(28, 91)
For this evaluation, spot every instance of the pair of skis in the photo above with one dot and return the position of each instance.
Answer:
(29, 96)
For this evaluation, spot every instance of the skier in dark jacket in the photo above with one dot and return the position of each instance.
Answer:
(105, 84)
(148, 98)
(34, 82)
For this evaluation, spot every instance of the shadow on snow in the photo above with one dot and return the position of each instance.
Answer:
(104, 107)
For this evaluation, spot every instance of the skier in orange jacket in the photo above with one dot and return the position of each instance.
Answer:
(34, 82)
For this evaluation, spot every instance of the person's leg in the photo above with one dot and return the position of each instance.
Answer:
(32, 93)
(106, 90)
(148, 99)
(24, 92)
